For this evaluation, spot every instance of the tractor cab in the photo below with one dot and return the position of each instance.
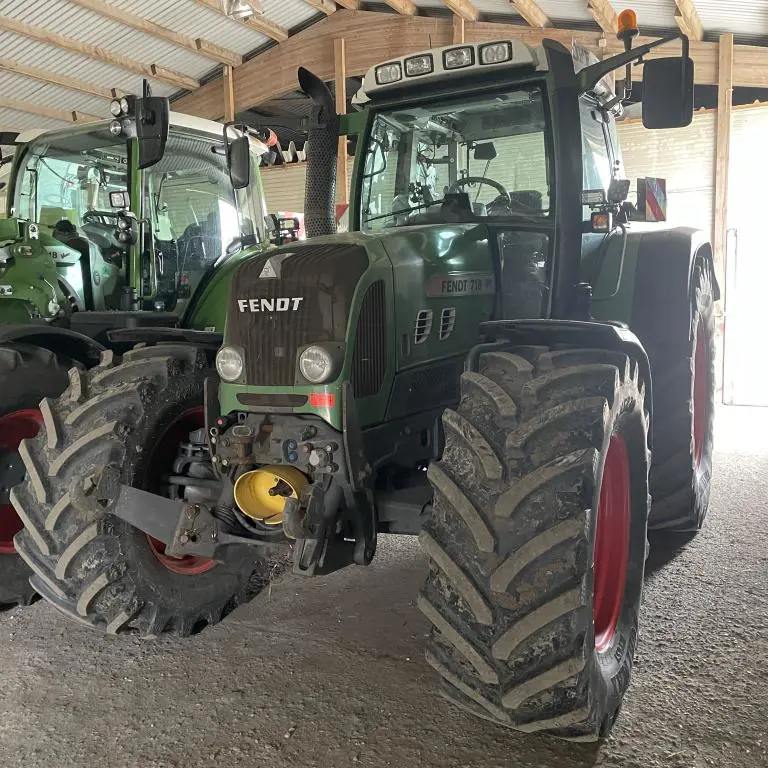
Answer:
(129, 218)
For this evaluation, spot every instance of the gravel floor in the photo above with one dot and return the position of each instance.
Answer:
(330, 672)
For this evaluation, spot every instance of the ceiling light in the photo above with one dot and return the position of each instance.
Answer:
(241, 9)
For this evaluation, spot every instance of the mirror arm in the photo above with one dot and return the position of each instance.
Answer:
(591, 75)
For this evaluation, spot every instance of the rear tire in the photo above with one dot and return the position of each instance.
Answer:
(683, 415)
(92, 566)
(27, 375)
(527, 633)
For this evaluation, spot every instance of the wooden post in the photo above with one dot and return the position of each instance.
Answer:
(458, 30)
(722, 150)
(229, 93)
(340, 69)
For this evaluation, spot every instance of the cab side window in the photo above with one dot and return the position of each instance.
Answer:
(595, 150)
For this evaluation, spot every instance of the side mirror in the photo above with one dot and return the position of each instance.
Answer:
(668, 93)
(152, 121)
(239, 162)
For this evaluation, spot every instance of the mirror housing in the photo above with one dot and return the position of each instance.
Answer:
(152, 122)
(239, 162)
(668, 92)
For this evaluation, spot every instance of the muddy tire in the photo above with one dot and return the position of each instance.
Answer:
(683, 414)
(92, 566)
(27, 375)
(526, 631)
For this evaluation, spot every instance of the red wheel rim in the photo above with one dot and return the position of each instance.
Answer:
(701, 393)
(14, 427)
(611, 543)
(160, 462)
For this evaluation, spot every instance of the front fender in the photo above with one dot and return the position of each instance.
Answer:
(60, 341)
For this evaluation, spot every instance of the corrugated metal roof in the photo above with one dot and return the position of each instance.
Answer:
(747, 18)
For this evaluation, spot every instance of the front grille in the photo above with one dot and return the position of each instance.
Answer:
(369, 362)
(270, 326)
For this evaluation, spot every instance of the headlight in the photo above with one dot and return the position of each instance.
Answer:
(124, 105)
(418, 65)
(457, 58)
(388, 73)
(115, 108)
(229, 364)
(316, 365)
(495, 53)
(115, 128)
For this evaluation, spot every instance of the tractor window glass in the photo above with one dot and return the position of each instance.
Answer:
(67, 177)
(196, 215)
(596, 163)
(458, 160)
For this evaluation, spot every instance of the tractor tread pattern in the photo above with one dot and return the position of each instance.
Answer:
(679, 489)
(28, 374)
(77, 551)
(511, 627)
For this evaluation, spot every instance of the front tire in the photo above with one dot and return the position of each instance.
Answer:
(27, 375)
(92, 566)
(533, 596)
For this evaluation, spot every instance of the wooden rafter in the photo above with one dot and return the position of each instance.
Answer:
(41, 35)
(324, 6)
(139, 23)
(65, 115)
(256, 23)
(464, 9)
(687, 18)
(350, 5)
(532, 13)
(404, 7)
(55, 78)
(459, 29)
(603, 13)
(375, 37)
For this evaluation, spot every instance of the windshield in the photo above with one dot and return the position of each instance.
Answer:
(459, 159)
(198, 219)
(65, 177)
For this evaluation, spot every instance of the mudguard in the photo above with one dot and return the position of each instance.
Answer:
(663, 280)
(60, 341)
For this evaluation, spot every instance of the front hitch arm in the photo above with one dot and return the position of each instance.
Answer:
(185, 529)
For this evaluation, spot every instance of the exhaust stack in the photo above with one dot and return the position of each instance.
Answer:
(323, 139)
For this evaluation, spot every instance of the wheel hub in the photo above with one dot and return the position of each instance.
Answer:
(14, 427)
(165, 462)
(611, 555)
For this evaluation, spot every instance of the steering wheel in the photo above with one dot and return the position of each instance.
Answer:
(500, 188)
(93, 217)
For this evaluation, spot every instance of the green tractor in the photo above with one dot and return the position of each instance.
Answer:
(485, 360)
(117, 232)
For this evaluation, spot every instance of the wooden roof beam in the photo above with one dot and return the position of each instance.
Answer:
(140, 24)
(687, 18)
(256, 23)
(603, 13)
(464, 9)
(65, 115)
(532, 13)
(403, 7)
(55, 78)
(324, 6)
(350, 5)
(372, 38)
(41, 35)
